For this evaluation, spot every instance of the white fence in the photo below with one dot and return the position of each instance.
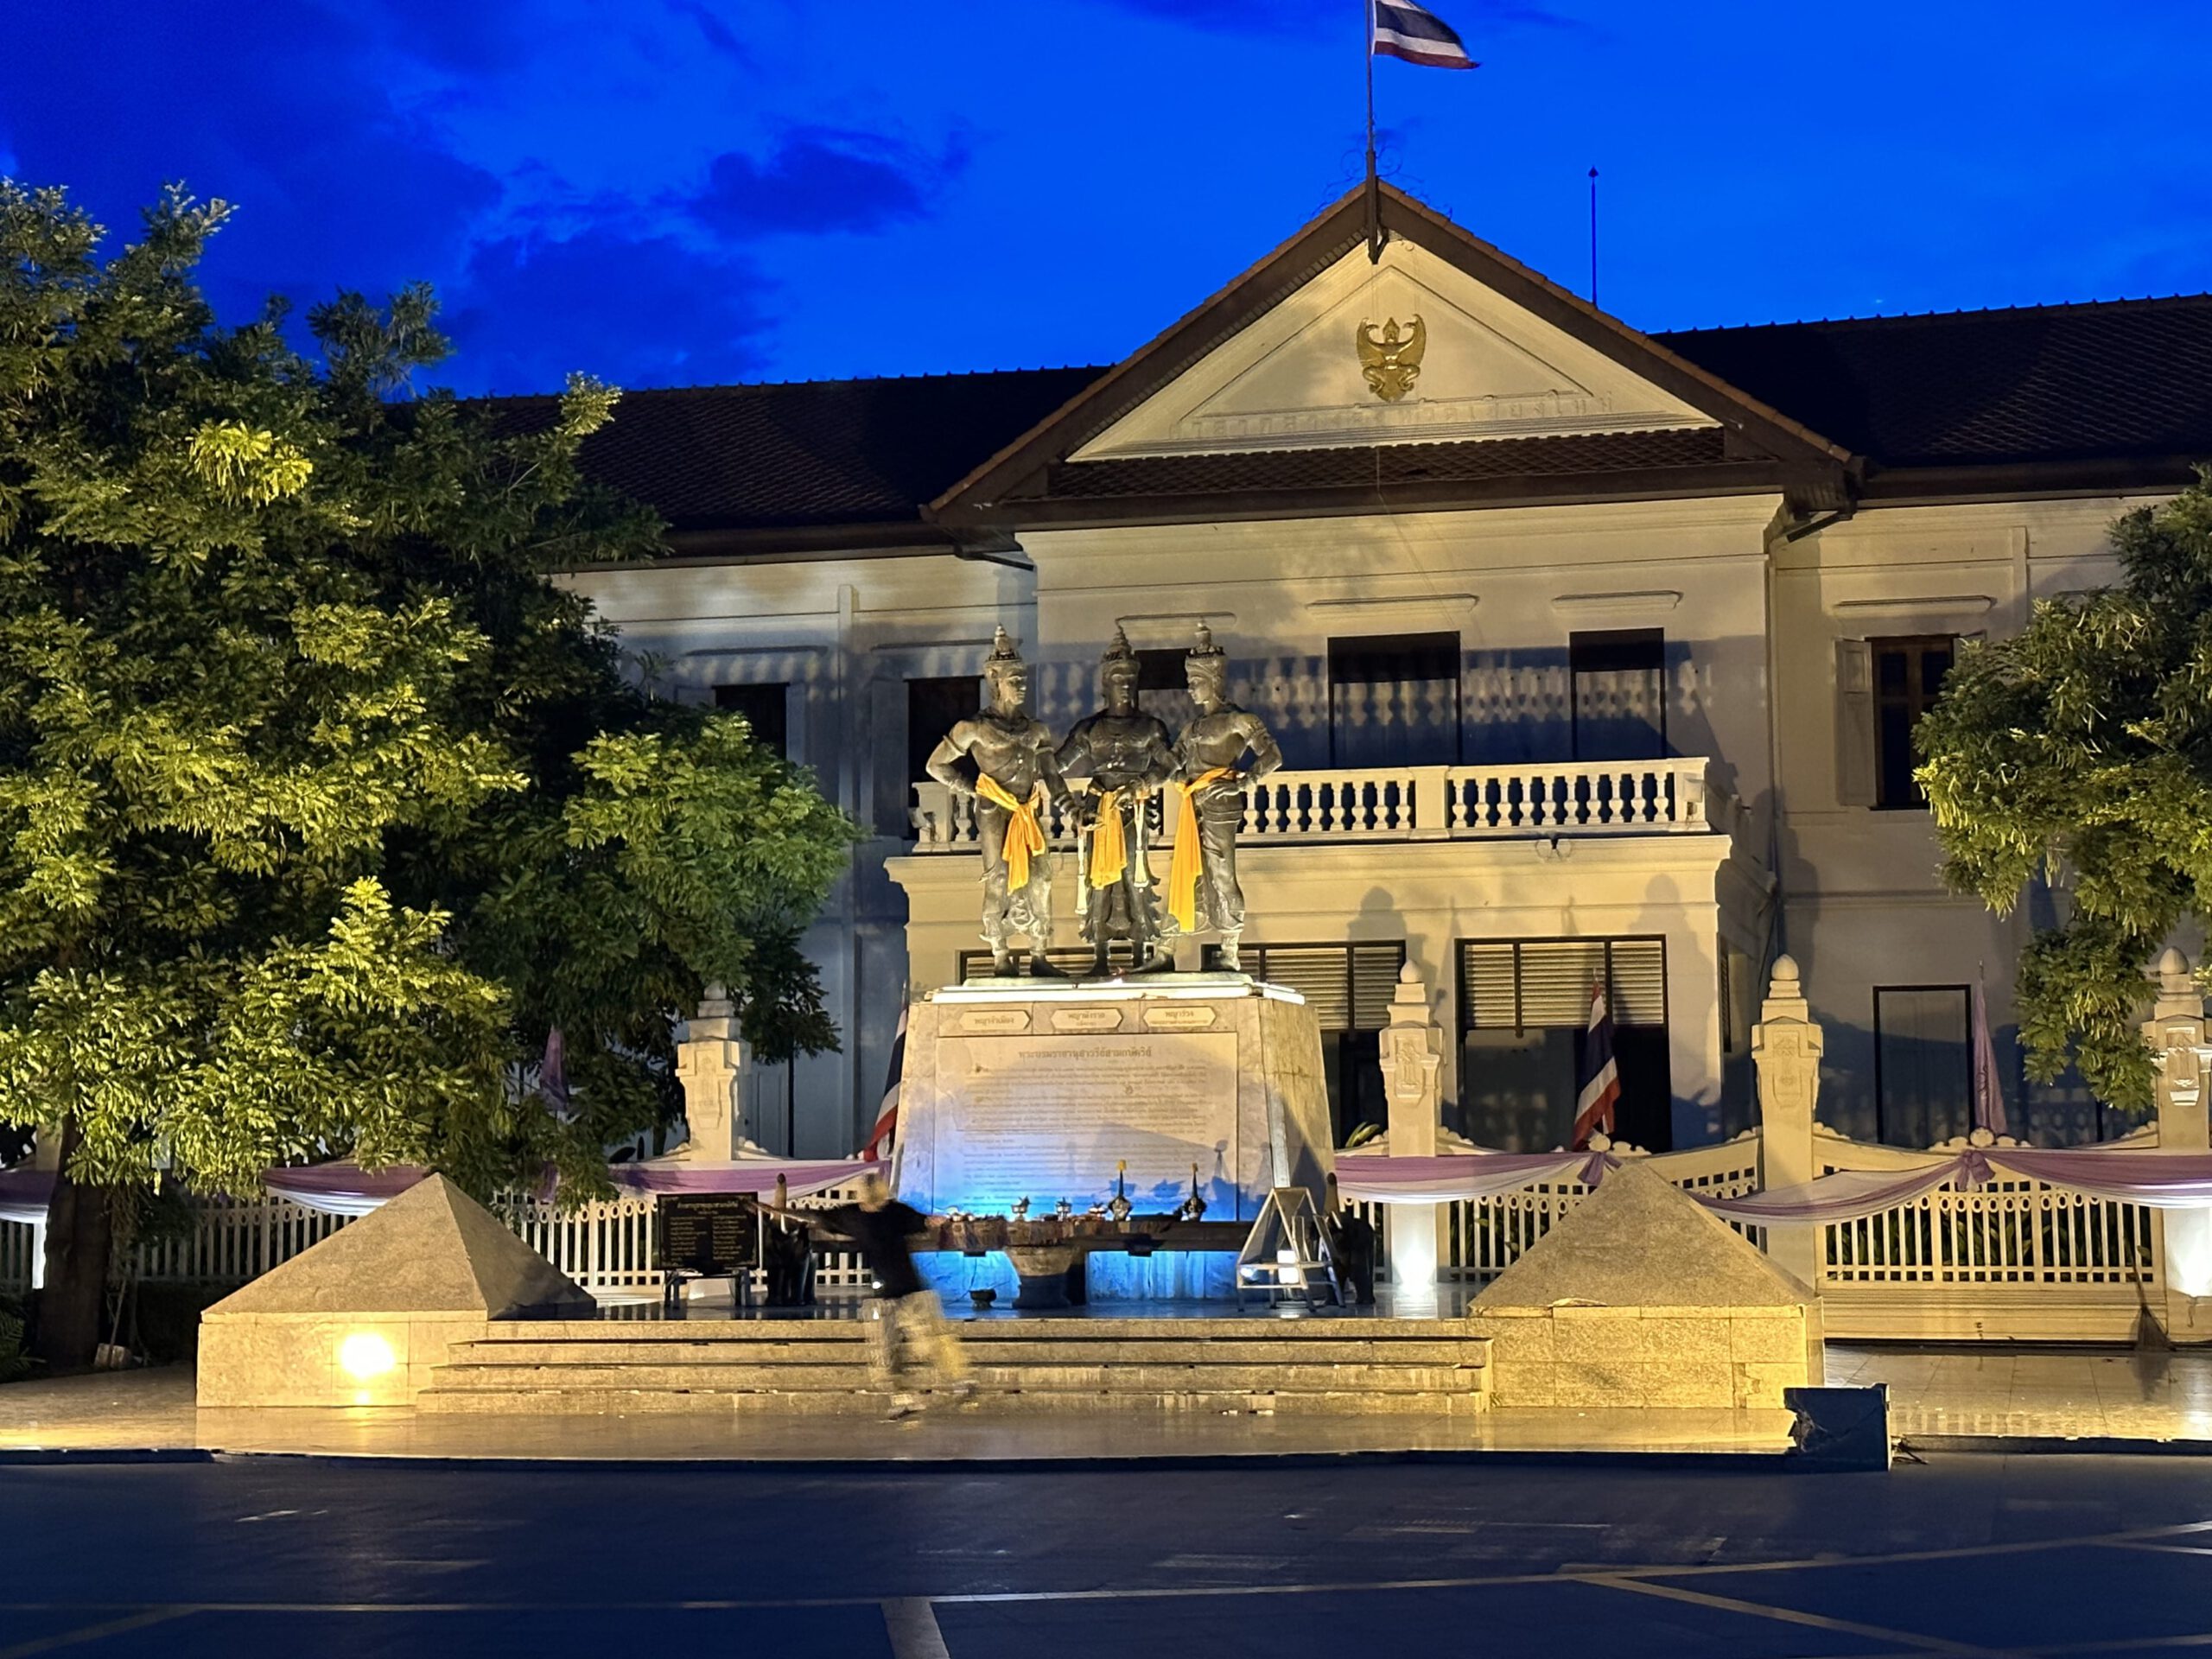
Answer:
(1400, 803)
(606, 1247)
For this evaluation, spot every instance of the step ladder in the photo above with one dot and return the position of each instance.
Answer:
(1286, 1257)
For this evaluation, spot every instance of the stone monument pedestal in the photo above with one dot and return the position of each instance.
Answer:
(1048, 1091)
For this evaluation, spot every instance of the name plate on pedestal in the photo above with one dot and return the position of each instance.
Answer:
(1169, 1016)
(1048, 1117)
(1086, 1018)
(997, 1021)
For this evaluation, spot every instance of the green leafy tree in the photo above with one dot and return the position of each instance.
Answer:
(321, 806)
(2080, 753)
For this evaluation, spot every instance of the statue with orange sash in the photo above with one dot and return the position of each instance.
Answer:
(1012, 754)
(1202, 890)
(1124, 755)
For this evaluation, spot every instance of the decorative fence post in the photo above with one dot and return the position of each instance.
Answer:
(1413, 1059)
(708, 1061)
(1786, 1047)
(2175, 1034)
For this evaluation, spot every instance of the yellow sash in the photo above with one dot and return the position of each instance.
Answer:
(1109, 848)
(1024, 836)
(1183, 866)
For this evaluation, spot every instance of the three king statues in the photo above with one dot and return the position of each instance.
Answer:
(1121, 758)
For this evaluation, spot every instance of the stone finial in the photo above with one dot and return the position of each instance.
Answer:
(2174, 976)
(716, 1003)
(1409, 999)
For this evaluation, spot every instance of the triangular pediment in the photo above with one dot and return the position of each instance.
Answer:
(1510, 362)
(1296, 377)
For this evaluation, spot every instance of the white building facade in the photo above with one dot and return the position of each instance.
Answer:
(1591, 655)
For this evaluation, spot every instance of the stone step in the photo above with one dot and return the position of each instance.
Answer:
(1084, 1327)
(1026, 1349)
(860, 1402)
(798, 1377)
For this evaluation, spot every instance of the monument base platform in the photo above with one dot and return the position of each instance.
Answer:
(1020, 1094)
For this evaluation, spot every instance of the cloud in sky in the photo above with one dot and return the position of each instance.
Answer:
(630, 189)
(822, 179)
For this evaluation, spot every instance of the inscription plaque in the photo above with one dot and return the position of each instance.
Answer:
(711, 1234)
(1168, 1017)
(1086, 1018)
(1048, 1117)
(994, 1019)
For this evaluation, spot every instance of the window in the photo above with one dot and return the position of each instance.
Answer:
(1394, 700)
(1907, 676)
(1923, 1065)
(1620, 694)
(1164, 686)
(1524, 1007)
(934, 707)
(764, 711)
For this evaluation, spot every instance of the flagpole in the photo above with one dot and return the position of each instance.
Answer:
(1374, 186)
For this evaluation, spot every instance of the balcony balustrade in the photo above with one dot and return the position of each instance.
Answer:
(1581, 798)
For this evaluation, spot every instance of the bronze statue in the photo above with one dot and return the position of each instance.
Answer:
(1202, 890)
(1012, 755)
(1126, 755)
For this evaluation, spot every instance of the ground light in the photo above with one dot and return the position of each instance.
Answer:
(364, 1354)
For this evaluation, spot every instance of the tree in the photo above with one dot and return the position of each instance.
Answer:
(321, 806)
(2080, 753)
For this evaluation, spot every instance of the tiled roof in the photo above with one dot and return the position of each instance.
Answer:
(809, 453)
(1386, 464)
(2116, 381)
(2120, 379)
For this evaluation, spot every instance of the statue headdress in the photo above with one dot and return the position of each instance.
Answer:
(1205, 648)
(1119, 651)
(1004, 654)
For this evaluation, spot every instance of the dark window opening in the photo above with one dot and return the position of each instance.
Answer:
(1908, 675)
(1924, 1065)
(1164, 686)
(1394, 700)
(934, 707)
(766, 710)
(1524, 1011)
(1619, 694)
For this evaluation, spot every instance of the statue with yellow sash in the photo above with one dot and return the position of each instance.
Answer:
(1012, 753)
(1202, 890)
(1124, 755)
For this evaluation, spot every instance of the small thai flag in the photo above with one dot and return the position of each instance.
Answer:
(1404, 30)
(1601, 1078)
(887, 1120)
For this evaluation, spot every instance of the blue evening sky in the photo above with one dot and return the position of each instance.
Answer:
(665, 192)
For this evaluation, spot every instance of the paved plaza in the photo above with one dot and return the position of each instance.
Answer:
(1961, 1554)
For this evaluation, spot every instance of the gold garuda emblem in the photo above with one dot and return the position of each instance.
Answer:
(1391, 360)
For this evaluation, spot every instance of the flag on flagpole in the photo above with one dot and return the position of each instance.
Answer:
(1601, 1078)
(1989, 1092)
(1401, 29)
(887, 1117)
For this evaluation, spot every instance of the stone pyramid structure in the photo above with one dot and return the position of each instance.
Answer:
(433, 1250)
(1640, 1242)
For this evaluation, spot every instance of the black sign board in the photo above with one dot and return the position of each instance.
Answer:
(711, 1234)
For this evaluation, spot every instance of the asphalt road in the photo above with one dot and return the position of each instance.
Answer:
(2043, 1555)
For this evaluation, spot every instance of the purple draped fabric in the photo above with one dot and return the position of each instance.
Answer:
(342, 1189)
(1368, 1178)
(2160, 1180)
(1842, 1197)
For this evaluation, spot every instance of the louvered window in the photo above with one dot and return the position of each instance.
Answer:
(1347, 986)
(1534, 984)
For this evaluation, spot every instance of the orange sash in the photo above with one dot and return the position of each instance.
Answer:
(1024, 836)
(1109, 848)
(1183, 867)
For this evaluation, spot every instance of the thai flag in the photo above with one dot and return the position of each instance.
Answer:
(1601, 1078)
(887, 1120)
(1404, 30)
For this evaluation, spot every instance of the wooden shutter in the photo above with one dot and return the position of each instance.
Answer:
(1854, 723)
